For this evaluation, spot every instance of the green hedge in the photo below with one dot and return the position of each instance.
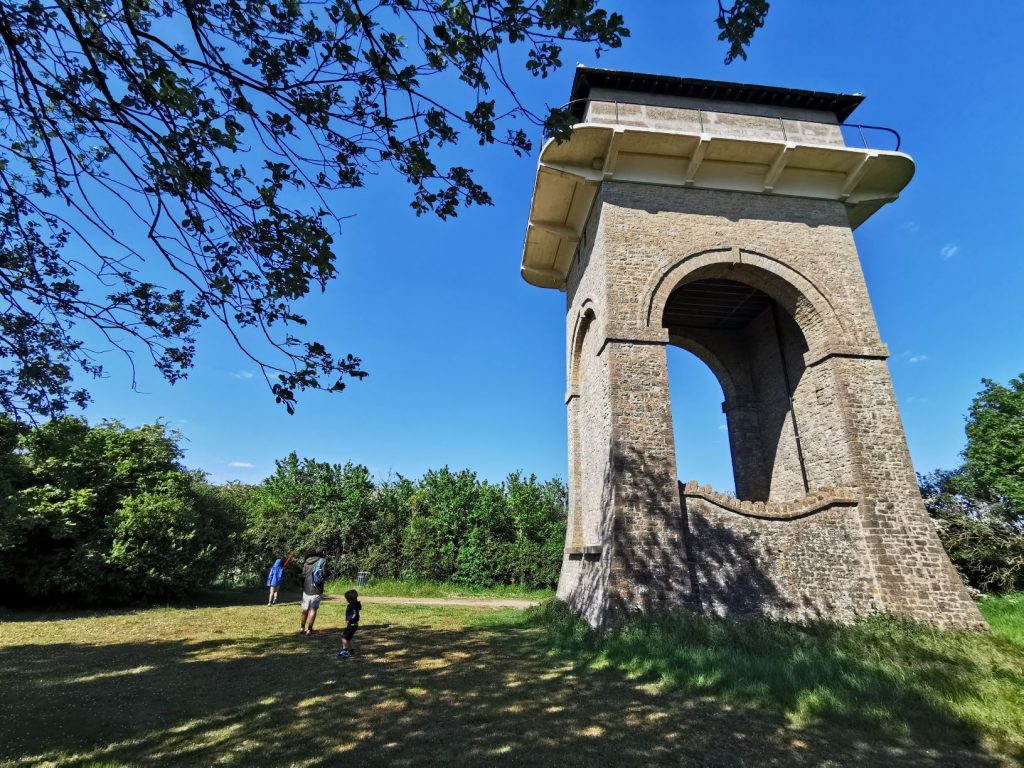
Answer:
(446, 526)
(108, 514)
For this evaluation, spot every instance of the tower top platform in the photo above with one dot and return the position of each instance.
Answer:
(699, 134)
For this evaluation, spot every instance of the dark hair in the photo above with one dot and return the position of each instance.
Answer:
(318, 552)
(351, 595)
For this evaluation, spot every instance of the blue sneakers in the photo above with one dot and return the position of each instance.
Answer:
(343, 654)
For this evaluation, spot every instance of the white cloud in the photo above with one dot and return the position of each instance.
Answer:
(241, 465)
(912, 357)
(949, 250)
(245, 375)
(910, 227)
(723, 426)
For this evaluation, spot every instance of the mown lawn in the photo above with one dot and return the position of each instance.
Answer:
(399, 588)
(234, 685)
(1006, 616)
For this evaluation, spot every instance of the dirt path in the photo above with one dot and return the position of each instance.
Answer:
(469, 602)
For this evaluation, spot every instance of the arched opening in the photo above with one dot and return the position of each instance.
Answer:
(698, 422)
(588, 431)
(772, 401)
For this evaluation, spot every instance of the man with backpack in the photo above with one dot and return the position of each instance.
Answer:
(314, 574)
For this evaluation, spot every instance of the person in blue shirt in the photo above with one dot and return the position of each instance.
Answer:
(274, 581)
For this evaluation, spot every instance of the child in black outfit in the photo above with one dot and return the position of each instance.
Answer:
(352, 624)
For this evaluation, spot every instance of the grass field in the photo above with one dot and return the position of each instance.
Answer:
(397, 588)
(1006, 616)
(232, 684)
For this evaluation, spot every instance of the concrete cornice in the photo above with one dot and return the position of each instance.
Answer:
(570, 174)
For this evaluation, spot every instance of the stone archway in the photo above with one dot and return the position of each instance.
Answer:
(586, 430)
(784, 440)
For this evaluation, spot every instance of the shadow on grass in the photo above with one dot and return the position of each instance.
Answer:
(491, 695)
(205, 598)
(894, 682)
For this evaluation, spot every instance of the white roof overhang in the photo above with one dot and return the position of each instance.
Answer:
(570, 174)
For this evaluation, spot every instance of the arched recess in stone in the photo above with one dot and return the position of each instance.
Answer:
(787, 435)
(585, 318)
(583, 379)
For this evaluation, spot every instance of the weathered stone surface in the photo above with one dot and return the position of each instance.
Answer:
(811, 567)
(829, 522)
(764, 284)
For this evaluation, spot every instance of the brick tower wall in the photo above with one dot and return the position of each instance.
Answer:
(635, 543)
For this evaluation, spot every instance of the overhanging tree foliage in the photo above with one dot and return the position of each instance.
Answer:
(165, 162)
(738, 23)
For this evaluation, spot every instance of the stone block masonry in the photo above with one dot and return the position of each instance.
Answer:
(766, 289)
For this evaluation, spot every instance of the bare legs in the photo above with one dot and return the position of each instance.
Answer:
(306, 623)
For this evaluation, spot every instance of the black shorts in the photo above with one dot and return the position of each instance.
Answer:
(349, 632)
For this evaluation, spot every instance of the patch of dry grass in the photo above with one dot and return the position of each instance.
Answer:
(235, 685)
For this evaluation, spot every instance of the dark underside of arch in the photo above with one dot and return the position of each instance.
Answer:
(755, 348)
(714, 303)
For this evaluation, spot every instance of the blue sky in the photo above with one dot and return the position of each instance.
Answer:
(466, 360)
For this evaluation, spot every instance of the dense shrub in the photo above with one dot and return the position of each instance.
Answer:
(174, 539)
(447, 526)
(987, 550)
(979, 507)
(304, 505)
(384, 555)
(105, 514)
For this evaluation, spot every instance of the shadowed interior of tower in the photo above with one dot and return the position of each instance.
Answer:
(756, 350)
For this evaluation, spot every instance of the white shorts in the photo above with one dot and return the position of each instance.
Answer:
(310, 602)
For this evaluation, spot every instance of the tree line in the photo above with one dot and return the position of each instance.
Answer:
(978, 507)
(108, 514)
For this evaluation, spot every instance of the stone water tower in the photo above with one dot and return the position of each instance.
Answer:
(719, 218)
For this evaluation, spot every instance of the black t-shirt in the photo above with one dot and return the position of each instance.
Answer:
(352, 613)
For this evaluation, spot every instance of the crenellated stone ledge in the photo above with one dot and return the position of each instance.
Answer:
(812, 503)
